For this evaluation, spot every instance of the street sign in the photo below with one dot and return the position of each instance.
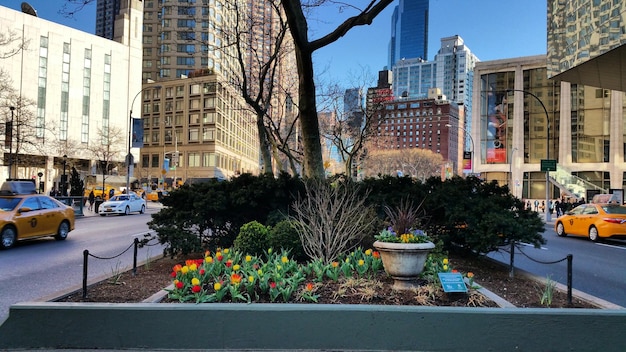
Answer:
(548, 165)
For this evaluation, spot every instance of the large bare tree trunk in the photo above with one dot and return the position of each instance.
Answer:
(264, 144)
(313, 163)
(309, 124)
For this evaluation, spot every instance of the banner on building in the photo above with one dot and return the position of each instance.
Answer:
(137, 133)
(496, 128)
(467, 161)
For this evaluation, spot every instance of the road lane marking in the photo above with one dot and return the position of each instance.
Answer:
(611, 246)
(530, 245)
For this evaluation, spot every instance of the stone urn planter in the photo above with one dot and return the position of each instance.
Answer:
(404, 261)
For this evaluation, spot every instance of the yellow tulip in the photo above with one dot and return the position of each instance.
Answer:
(195, 281)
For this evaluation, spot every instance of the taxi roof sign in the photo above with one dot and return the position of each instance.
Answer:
(18, 187)
(605, 198)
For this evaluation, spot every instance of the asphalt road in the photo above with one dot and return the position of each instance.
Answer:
(598, 269)
(39, 268)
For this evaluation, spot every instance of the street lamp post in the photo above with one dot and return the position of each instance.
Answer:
(547, 205)
(64, 178)
(473, 147)
(10, 135)
(129, 157)
(511, 170)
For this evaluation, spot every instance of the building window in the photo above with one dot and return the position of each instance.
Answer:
(193, 135)
(208, 134)
(193, 159)
(145, 160)
(155, 160)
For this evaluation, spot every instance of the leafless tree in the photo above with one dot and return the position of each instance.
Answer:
(294, 12)
(331, 219)
(348, 128)
(304, 49)
(109, 148)
(416, 162)
(263, 50)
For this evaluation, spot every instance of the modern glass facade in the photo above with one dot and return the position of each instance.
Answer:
(582, 127)
(409, 31)
(586, 42)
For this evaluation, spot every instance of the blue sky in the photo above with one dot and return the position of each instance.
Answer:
(491, 29)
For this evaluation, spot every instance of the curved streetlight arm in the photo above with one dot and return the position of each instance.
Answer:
(130, 130)
(547, 205)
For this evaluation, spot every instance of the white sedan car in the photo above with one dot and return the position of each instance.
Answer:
(123, 204)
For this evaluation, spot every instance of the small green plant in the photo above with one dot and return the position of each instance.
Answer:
(116, 274)
(548, 292)
(252, 239)
(284, 235)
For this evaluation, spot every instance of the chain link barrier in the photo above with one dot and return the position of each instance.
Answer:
(569, 259)
(137, 243)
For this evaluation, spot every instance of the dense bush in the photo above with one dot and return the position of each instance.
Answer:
(465, 213)
(253, 238)
(214, 211)
(284, 235)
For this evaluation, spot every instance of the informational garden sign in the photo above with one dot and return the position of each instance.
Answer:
(452, 282)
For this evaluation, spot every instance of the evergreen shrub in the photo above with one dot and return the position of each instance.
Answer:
(253, 238)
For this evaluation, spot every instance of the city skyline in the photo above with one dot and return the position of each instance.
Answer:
(482, 24)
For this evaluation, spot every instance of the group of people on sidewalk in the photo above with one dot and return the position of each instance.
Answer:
(559, 205)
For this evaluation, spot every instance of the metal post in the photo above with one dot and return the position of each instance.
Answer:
(136, 245)
(64, 191)
(85, 256)
(512, 261)
(12, 108)
(570, 258)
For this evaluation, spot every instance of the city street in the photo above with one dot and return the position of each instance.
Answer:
(38, 268)
(598, 268)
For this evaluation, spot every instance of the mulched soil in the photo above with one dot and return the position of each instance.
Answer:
(520, 291)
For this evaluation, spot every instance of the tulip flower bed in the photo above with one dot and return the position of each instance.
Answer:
(230, 276)
(371, 287)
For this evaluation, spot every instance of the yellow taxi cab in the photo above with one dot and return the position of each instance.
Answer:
(156, 195)
(97, 191)
(605, 217)
(24, 214)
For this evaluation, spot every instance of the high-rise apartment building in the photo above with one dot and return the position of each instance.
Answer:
(106, 11)
(451, 72)
(455, 70)
(409, 31)
(182, 37)
(191, 43)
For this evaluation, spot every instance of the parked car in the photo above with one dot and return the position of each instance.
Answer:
(594, 220)
(123, 204)
(24, 214)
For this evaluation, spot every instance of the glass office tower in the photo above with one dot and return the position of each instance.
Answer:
(409, 31)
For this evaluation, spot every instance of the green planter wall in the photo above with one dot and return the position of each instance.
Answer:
(153, 326)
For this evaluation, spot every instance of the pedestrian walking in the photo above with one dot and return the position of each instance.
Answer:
(111, 193)
(92, 198)
(536, 205)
